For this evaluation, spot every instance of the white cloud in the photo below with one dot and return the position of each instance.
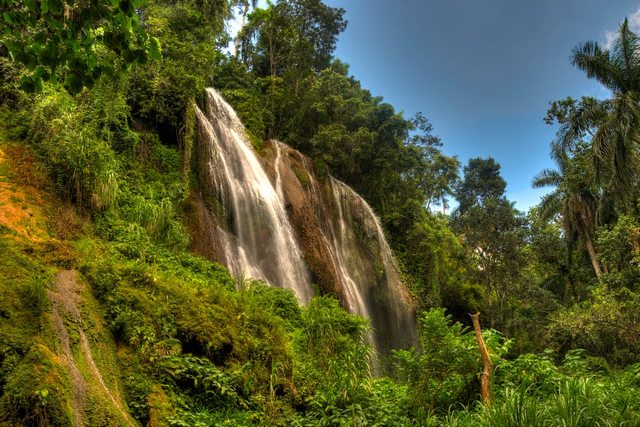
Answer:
(634, 21)
(609, 37)
(634, 25)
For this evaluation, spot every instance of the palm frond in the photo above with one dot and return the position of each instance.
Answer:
(586, 117)
(625, 55)
(547, 178)
(550, 205)
(615, 145)
(596, 63)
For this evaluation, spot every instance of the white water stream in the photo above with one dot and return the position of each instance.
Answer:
(260, 242)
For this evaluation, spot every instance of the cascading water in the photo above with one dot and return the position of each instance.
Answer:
(254, 235)
(258, 240)
(387, 301)
(365, 263)
(276, 167)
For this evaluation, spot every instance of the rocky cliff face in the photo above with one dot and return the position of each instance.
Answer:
(305, 204)
(344, 245)
(270, 217)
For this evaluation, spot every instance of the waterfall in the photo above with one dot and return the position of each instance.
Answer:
(276, 167)
(374, 288)
(338, 238)
(275, 220)
(257, 239)
(365, 264)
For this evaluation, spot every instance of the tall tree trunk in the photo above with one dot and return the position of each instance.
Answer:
(486, 360)
(243, 18)
(592, 256)
(272, 56)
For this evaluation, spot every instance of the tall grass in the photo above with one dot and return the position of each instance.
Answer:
(577, 402)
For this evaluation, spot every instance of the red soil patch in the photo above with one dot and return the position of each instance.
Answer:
(21, 199)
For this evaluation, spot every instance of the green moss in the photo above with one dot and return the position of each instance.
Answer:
(38, 391)
(302, 176)
(23, 284)
(161, 408)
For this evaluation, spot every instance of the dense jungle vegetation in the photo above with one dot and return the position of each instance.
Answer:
(97, 127)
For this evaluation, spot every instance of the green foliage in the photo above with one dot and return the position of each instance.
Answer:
(605, 325)
(575, 198)
(161, 92)
(482, 183)
(178, 321)
(34, 386)
(74, 42)
(443, 370)
(228, 356)
(437, 266)
(38, 390)
(614, 143)
(131, 182)
(198, 348)
(202, 378)
(533, 391)
(576, 402)
(535, 373)
(280, 302)
(257, 100)
(547, 253)
(620, 252)
(291, 38)
(328, 330)
(494, 235)
(10, 94)
(83, 165)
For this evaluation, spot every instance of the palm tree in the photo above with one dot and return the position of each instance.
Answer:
(617, 135)
(575, 199)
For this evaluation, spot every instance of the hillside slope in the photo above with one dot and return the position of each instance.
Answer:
(57, 357)
(105, 323)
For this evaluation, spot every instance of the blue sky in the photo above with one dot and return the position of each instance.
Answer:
(482, 71)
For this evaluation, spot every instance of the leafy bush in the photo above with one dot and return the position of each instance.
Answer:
(619, 247)
(83, 165)
(536, 372)
(443, 371)
(606, 325)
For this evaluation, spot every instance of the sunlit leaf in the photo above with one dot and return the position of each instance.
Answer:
(155, 49)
